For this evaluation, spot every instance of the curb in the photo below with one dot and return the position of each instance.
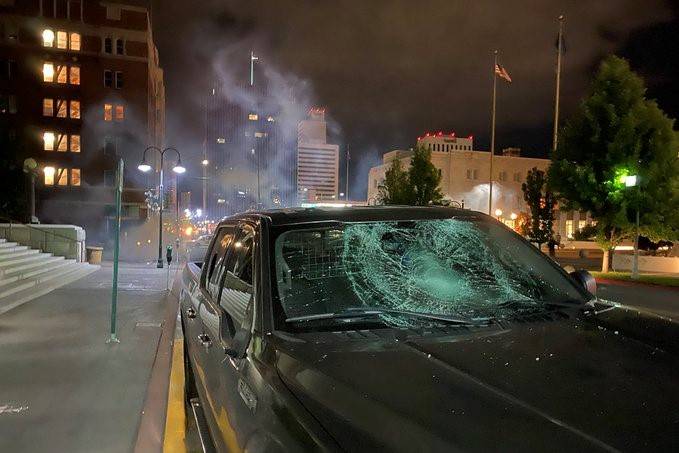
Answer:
(607, 281)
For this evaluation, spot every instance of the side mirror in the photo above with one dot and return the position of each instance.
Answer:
(585, 279)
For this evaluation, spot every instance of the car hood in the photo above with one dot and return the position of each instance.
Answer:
(576, 382)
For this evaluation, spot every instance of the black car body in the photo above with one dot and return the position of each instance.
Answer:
(583, 375)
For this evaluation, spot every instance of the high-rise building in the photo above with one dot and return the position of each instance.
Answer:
(248, 149)
(317, 160)
(85, 88)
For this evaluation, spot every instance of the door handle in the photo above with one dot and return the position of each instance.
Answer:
(205, 340)
(191, 313)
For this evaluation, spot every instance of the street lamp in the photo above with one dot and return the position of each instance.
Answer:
(145, 167)
(632, 181)
(498, 213)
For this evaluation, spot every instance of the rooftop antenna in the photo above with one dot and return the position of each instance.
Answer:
(253, 58)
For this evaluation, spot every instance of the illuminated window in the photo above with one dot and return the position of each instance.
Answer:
(270, 119)
(75, 176)
(108, 79)
(48, 107)
(253, 117)
(74, 75)
(75, 41)
(48, 141)
(74, 145)
(47, 38)
(62, 177)
(108, 45)
(120, 46)
(569, 229)
(75, 109)
(582, 224)
(62, 74)
(61, 108)
(62, 40)
(62, 142)
(108, 112)
(48, 72)
(49, 176)
(260, 134)
(120, 112)
(221, 140)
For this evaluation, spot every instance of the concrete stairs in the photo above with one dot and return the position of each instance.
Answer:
(27, 273)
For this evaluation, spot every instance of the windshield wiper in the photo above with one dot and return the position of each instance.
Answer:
(363, 312)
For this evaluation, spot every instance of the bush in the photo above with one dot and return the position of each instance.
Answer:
(585, 234)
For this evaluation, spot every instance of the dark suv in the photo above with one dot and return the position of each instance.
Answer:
(415, 329)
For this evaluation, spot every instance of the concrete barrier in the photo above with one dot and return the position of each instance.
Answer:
(60, 240)
(654, 264)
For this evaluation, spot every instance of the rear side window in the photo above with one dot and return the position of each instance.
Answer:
(223, 239)
(238, 267)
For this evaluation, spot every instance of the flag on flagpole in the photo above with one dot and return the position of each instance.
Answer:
(502, 72)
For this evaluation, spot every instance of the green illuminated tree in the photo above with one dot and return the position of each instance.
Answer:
(541, 203)
(615, 133)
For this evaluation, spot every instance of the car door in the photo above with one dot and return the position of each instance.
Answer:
(201, 311)
(233, 397)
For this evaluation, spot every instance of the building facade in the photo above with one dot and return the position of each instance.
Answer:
(317, 160)
(465, 178)
(87, 90)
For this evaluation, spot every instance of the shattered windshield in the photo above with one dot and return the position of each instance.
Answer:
(452, 268)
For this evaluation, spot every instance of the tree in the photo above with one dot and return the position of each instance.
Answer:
(424, 179)
(541, 203)
(617, 132)
(395, 189)
(416, 186)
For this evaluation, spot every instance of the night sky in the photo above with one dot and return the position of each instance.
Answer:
(387, 71)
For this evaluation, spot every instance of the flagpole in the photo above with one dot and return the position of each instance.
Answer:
(492, 139)
(558, 82)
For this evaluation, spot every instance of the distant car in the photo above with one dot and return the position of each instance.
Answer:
(415, 329)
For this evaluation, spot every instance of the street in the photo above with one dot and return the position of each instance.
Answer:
(658, 299)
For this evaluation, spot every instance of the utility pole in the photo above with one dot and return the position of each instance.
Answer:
(559, 46)
(113, 334)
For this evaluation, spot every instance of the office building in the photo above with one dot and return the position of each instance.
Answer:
(317, 160)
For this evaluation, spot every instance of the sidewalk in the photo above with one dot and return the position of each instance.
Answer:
(62, 387)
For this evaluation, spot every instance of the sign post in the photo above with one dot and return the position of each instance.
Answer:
(116, 252)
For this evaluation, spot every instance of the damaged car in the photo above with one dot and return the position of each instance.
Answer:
(414, 329)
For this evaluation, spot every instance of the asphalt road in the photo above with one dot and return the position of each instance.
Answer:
(62, 387)
(658, 299)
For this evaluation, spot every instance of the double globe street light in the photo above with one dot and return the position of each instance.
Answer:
(145, 167)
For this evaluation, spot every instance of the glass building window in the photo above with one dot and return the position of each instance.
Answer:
(108, 78)
(75, 176)
(62, 142)
(62, 74)
(48, 141)
(62, 177)
(74, 109)
(48, 38)
(62, 40)
(119, 79)
(108, 45)
(48, 72)
(253, 117)
(108, 112)
(75, 41)
(120, 112)
(48, 107)
(74, 75)
(74, 145)
(120, 46)
(61, 108)
(569, 229)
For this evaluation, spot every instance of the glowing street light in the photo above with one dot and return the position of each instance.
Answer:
(205, 162)
(513, 216)
(632, 181)
(498, 212)
(179, 169)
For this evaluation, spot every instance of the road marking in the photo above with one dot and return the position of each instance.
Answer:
(175, 422)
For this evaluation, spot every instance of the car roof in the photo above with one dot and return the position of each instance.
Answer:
(295, 216)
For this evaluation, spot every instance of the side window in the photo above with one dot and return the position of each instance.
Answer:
(237, 288)
(221, 243)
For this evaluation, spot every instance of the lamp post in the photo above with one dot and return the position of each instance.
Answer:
(145, 167)
(633, 181)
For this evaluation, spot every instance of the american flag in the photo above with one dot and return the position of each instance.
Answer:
(502, 72)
